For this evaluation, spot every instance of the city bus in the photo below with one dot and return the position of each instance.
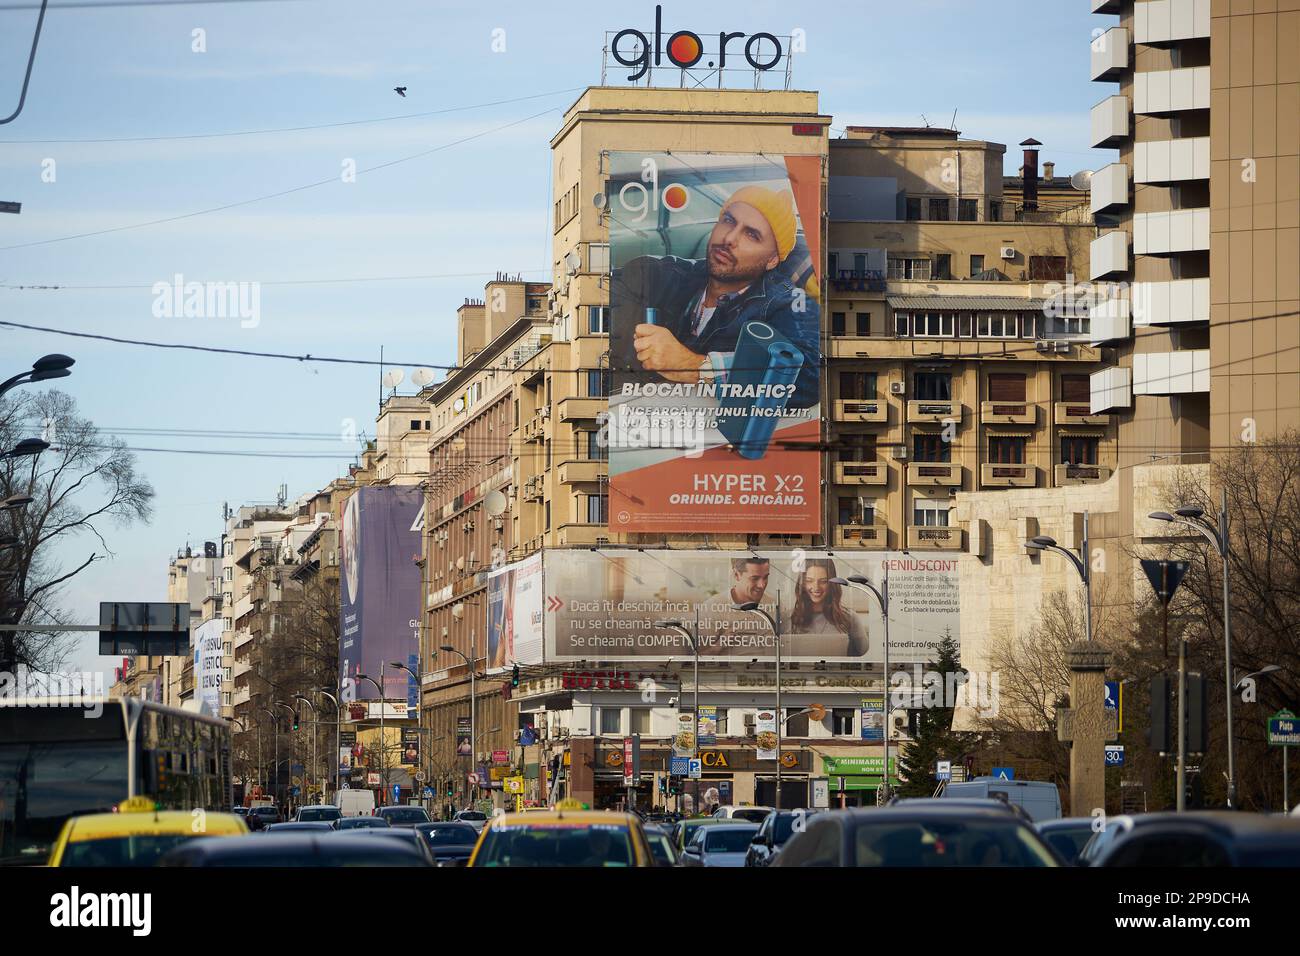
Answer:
(61, 757)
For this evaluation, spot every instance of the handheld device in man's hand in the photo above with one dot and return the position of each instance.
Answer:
(761, 358)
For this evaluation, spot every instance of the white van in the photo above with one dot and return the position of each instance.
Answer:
(1038, 798)
(355, 803)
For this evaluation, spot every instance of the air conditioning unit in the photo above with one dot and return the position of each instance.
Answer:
(751, 725)
(1007, 252)
(1043, 345)
(602, 542)
(900, 452)
(544, 411)
(498, 524)
(897, 388)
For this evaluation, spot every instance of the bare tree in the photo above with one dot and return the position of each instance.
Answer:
(82, 484)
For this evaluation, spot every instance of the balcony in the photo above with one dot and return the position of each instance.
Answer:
(1108, 254)
(873, 410)
(1171, 303)
(1079, 413)
(937, 412)
(867, 536)
(534, 429)
(861, 473)
(581, 536)
(1110, 187)
(1172, 160)
(583, 471)
(1080, 475)
(1158, 92)
(1161, 22)
(582, 409)
(1109, 55)
(1106, 6)
(1111, 320)
(534, 488)
(1109, 122)
(1008, 413)
(930, 474)
(1171, 373)
(1111, 388)
(996, 475)
(1168, 233)
(928, 538)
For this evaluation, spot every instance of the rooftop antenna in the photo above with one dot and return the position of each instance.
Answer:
(381, 376)
(953, 124)
(925, 121)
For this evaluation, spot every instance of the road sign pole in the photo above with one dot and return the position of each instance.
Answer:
(1286, 792)
(1182, 720)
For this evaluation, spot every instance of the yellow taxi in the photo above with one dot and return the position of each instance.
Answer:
(566, 836)
(136, 834)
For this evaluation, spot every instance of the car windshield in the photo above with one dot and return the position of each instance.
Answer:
(1068, 841)
(264, 812)
(728, 839)
(750, 814)
(319, 813)
(948, 843)
(556, 845)
(353, 823)
(138, 850)
(662, 848)
(471, 815)
(451, 835)
(405, 815)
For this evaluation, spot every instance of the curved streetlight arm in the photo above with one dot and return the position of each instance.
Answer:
(1210, 534)
(332, 699)
(306, 701)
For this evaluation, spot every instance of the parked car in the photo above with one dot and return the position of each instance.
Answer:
(684, 831)
(747, 814)
(475, 818)
(298, 826)
(1205, 838)
(452, 843)
(917, 836)
(326, 812)
(360, 823)
(403, 816)
(1038, 798)
(563, 837)
(263, 816)
(1112, 828)
(1067, 836)
(661, 845)
(403, 836)
(773, 833)
(723, 845)
(297, 849)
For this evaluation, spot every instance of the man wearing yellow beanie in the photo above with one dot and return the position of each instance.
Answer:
(685, 315)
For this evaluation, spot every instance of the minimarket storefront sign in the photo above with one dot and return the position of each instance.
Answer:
(859, 772)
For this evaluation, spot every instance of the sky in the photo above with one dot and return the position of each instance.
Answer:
(116, 138)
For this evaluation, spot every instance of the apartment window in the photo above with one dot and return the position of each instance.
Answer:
(1076, 323)
(997, 325)
(1078, 450)
(913, 206)
(415, 424)
(1045, 268)
(598, 319)
(976, 265)
(857, 448)
(837, 323)
(857, 385)
(598, 257)
(598, 382)
(940, 209)
(596, 449)
(842, 721)
(968, 210)
(933, 325)
(911, 268)
(611, 720)
(859, 265)
(833, 264)
(932, 386)
(1027, 325)
(722, 722)
(930, 447)
(942, 265)
(548, 516)
(902, 324)
(857, 511)
(1006, 387)
(1076, 388)
(929, 513)
(597, 509)
(1006, 450)
(225, 698)
(796, 724)
(995, 210)
(639, 720)
(863, 323)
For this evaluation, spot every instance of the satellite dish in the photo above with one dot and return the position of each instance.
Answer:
(421, 377)
(1082, 180)
(599, 200)
(393, 378)
(495, 503)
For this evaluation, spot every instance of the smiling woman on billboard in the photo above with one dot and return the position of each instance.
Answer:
(819, 623)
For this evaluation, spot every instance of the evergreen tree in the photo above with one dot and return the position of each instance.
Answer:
(934, 738)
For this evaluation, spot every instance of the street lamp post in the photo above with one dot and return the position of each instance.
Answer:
(44, 368)
(275, 737)
(775, 624)
(315, 762)
(280, 703)
(1081, 564)
(693, 638)
(1194, 517)
(338, 745)
(469, 664)
(860, 583)
(383, 764)
(419, 715)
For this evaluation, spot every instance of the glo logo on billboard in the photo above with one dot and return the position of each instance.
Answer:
(639, 199)
(685, 49)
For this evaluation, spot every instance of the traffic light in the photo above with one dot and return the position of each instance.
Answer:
(1161, 737)
(295, 718)
(514, 676)
(1164, 713)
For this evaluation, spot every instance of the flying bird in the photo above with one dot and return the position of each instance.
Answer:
(400, 91)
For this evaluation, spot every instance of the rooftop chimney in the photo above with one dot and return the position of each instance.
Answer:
(1030, 173)
(1049, 172)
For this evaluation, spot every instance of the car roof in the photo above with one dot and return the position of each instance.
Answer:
(273, 844)
(105, 826)
(737, 825)
(1231, 821)
(926, 808)
(1064, 823)
(581, 817)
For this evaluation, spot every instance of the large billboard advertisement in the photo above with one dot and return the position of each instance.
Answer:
(380, 585)
(715, 348)
(514, 602)
(603, 605)
(207, 667)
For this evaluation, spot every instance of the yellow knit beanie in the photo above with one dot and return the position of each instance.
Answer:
(776, 208)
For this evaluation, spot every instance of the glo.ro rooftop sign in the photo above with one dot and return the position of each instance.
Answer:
(686, 50)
